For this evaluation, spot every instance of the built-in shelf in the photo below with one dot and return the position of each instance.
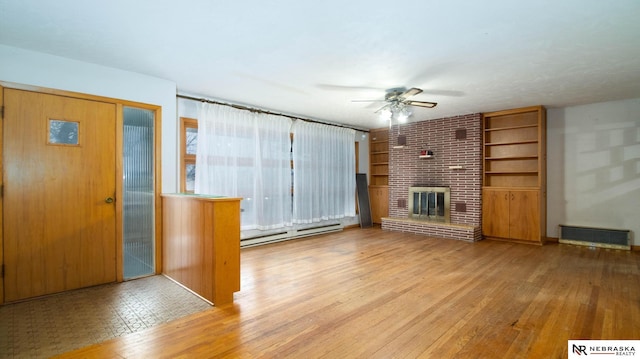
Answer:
(511, 172)
(506, 158)
(510, 127)
(379, 173)
(379, 157)
(514, 170)
(510, 143)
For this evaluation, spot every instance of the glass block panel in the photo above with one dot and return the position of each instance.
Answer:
(138, 192)
(190, 172)
(63, 132)
(192, 140)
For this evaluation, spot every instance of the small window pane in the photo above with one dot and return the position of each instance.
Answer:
(190, 175)
(63, 132)
(192, 140)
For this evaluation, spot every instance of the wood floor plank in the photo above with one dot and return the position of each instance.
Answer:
(368, 293)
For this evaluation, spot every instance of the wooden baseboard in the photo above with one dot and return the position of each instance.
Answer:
(508, 240)
(351, 226)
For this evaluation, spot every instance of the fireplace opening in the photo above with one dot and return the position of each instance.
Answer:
(430, 204)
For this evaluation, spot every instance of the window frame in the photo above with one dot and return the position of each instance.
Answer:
(186, 158)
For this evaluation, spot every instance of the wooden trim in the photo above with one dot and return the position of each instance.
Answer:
(511, 111)
(1, 194)
(119, 195)
(510, 240)
(157, 186)
(203, 198)
(351, 226)
(119, 123)
(79, 95)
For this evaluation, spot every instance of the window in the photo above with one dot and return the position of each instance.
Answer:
(238, 151)
(189, 138)
(63, 132)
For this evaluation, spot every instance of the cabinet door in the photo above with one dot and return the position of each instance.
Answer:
(524, 221)
(495, 213)
(379, 203)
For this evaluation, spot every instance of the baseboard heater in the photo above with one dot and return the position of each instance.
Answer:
(595, 237)
(293, 234)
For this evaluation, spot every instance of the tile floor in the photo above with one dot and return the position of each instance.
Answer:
(44, 327)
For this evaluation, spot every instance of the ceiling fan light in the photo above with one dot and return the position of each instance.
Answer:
(385, 115)
(403, 114)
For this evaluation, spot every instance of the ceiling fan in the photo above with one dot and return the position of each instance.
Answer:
(398, 98)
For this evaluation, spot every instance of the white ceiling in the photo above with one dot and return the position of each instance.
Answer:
(311, 58)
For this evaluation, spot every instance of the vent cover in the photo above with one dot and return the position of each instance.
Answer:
(595, 237)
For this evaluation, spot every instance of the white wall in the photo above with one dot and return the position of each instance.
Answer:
(38, 69)
(593, 166)
(187, 108)
(363, 156)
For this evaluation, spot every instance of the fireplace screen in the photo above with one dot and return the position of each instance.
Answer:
(429, 203)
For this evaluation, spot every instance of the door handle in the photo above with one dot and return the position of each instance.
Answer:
(109, 200)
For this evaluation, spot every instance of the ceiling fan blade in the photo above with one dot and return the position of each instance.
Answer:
(367, 100)
(410, 92)
(421, 104)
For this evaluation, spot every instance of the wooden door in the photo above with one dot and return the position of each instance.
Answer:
(495, 213)
(59, 181)
(524, 222)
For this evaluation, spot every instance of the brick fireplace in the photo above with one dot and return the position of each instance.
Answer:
(455, 144)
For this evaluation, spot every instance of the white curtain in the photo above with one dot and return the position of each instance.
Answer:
(324, 183)
(245, 154)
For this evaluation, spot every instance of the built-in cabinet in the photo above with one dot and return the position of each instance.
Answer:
(379, 198)
(514, 175)
(379, 173)
(511, 214)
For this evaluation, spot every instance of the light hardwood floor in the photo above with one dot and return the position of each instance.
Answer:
(376, 294)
